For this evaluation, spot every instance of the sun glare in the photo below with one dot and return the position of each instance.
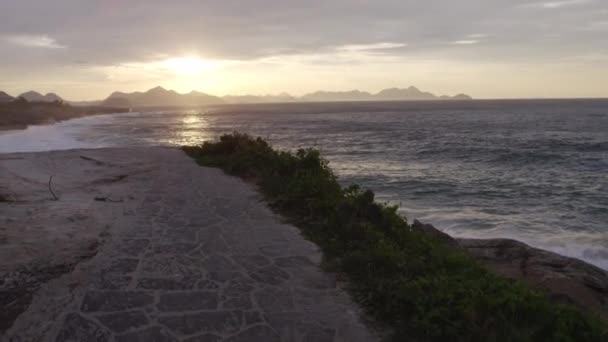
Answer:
(189, 65)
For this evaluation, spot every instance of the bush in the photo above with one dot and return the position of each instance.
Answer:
(423, 288)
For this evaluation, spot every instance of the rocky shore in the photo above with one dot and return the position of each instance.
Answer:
(193, 254)
(566, 280)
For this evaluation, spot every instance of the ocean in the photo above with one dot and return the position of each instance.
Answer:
(532, 170)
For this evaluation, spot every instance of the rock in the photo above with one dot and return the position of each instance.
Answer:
(565, 279)
(434, 233)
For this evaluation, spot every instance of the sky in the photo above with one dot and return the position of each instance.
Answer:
(85, 49)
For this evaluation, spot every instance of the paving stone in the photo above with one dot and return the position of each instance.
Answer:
(166, 284)
(215, 262)
(207, 284)
(171, 266)
(204, 221)
(109, 301)
(274, 300)
(152, 334)
(270, 275)
(210, 263)
(181, 235)
(113, 281)
(133, 247)
(223, 276)
(126, 265)
(258, 333)
(77, 328)
(242, 302)
(204, 338)
(122, 321)
(296, 326)
(252, 262)
(276, 250)
(253, 317)
(191, 300)
(238, 287)
(204, 322)
(294, 262)
(173, 248)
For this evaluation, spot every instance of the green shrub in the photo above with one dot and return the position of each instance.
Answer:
(423, 288)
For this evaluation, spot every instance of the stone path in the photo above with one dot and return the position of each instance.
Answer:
(191, 255)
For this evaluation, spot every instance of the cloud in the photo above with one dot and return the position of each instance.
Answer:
(558, 4)
(596, 26)
(35, 41)
(465, 42)
(477, 35)
(368, 47)
(276, 34)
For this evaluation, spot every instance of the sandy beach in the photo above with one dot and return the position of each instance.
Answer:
(143, 244)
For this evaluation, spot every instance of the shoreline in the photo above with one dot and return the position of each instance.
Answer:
(19, 116)
(456, 238)
(95, 196)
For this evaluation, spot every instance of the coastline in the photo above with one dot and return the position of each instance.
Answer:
(567, 280)
(94, 196)
(20, 116)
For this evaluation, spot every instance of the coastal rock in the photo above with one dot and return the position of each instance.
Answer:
(433, 232)
(565, 279)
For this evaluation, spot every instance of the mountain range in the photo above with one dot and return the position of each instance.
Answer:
(33, 96)
(161, 97)
(4, 97)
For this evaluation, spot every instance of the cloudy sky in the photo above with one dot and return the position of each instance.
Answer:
(84, 49)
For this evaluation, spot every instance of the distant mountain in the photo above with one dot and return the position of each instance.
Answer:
(33, 96)
(391, 94)
(283, 97)
(411, 93)
(85, 103)
(4, 97)
(160, 97)
(329, 96)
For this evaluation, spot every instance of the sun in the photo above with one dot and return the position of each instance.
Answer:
(189, 65)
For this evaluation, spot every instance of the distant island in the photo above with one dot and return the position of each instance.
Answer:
(35, 108)
(161, 97)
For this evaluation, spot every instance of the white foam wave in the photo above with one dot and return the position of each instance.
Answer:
(60, 136)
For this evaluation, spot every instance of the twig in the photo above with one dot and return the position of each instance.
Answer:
(51, 189)
(96, 161)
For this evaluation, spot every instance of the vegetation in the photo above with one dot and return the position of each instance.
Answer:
(424, 289)
(20, 113)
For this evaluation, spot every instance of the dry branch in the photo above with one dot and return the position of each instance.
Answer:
(51, 189)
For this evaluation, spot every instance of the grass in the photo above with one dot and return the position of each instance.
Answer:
(424, 289)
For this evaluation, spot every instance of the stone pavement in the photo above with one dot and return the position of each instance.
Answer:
(191, 255)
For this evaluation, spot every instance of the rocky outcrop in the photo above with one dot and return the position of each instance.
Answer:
(4, 97)
(566, 280)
